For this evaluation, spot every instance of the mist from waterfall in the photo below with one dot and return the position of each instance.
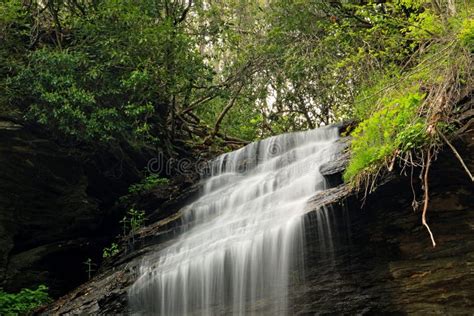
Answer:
(245, 240)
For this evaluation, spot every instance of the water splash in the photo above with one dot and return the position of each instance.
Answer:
(246, 239)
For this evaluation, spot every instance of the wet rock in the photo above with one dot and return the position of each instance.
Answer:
(332, 170)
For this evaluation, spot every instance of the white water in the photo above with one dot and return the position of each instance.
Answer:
(247, 233)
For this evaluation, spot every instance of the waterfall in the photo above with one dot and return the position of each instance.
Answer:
(245, 241)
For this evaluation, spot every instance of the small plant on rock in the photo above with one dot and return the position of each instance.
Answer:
(132, 221)
(110, 251)
(147, 184)
(137, 219)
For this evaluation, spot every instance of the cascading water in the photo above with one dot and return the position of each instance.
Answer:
(246, 235)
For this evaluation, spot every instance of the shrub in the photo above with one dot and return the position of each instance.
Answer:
(24, 301)
(147, 184)
(110, 251)
(466, 34)
(395, 127)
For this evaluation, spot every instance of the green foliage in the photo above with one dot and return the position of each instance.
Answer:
(424, 25)
(388, 105)
(396, 126)
(132, 221)
(152, 72)
(24, 301)
(136, 219)
(466, 34)
(63, 98)
(412, 137)
(113, 79)
(147, 184)
(73, 94)
(111, 251)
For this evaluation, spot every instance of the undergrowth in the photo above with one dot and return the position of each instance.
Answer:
(408, 112)
(148, 183)
(23, 302)
(394, 127)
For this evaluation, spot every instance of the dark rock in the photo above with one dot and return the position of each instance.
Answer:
(106, 293)
(346, 127)
(381, 259)
(53, 206)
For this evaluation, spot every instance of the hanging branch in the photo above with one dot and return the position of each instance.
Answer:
(203, 131)
(214, 90)
(55, 12)
(226, 109)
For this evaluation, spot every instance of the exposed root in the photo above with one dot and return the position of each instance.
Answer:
(414, 203)
(425, 188)
(457, 156)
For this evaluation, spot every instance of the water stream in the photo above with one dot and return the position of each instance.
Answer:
(246, 237)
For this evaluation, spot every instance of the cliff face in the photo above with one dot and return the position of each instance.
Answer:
(53, 206)
(382, 259)
(369, 257)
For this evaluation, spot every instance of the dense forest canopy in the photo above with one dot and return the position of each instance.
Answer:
(95, 72)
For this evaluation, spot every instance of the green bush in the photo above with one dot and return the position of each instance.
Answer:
(396, 126)
(147, 184)
(64, 92)
(24, 301)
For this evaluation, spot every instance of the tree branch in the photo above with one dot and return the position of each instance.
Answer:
(184, 13)
(226, 109)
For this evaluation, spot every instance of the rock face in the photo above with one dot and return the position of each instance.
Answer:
(369, 257)
(382, 260)
(333, 170)
(52, 209)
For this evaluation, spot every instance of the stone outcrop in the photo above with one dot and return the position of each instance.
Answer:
(53, 206)
(382, 260)
(333, 169)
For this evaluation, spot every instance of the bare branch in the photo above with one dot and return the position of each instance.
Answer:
(226, 109)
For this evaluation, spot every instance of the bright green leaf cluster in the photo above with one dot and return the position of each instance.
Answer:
(466, 34)
(111, 251)
(396, 126)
